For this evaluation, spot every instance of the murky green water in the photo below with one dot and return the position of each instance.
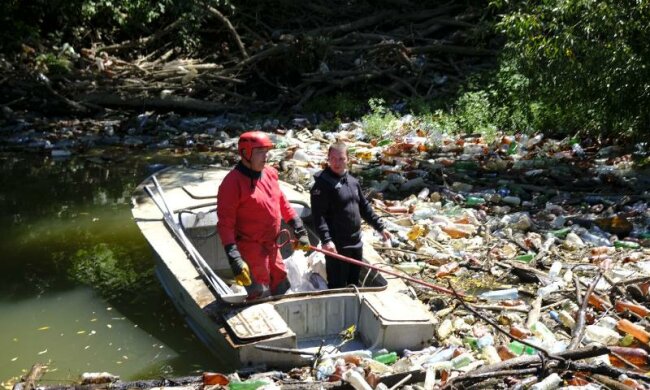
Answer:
(77, 289)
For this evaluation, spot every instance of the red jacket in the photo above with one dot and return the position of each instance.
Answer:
(250, 209)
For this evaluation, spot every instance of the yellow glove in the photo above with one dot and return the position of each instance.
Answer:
(302, 243)
(238, 265)
(244, 277)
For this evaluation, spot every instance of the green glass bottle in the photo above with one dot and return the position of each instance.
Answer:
(518, 348)
(246, 385)
(561, 233)
(512, 149)
(626, 244)
(386, 358)
(474, 201)
(527, 258)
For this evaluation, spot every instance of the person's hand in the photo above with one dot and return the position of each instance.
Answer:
(302, 242)
(238, 266)
(386, 235)
(329, 246)
(244, 277)
(302, 238)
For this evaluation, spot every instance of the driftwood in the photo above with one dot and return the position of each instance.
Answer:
(29, 381)
(273, 63)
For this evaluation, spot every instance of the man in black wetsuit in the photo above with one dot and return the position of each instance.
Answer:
(338, 205)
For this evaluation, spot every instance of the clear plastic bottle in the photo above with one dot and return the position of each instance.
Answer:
(356, 380)
(602, 335)
(551, 382)
(497, 295)
(543, 333)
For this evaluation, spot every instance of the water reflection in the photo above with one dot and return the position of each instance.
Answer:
(77, 289)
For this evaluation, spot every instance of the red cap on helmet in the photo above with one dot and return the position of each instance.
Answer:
(251, 140)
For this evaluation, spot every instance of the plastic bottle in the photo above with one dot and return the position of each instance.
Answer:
(410, 267)
(518, 348)
(602, 335)
(214, 378)
(324, 369)
(635, 330)
(527, 258)
(447, 269)
(441, 356)
(415, 232)
(519, 332)
(490, 354)
(424, 193)
(505, 353)
(621, 306)
(387, 358)
(429, 379)
(246, 385)
(636, 356)
(554, 272)
(540, 330)
(497, 295)
(598, 302)
(551, 382)
(356, 380)
(458, 230)
(423, 213)
(511, 200)
(462, 360)
(485, 341)
(474, 201)
(566, 319)
(626, 244)
(547, 290)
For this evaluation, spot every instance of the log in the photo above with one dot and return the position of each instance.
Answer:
(29, 381)
(167, 103)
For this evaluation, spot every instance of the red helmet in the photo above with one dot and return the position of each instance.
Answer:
(251, 140)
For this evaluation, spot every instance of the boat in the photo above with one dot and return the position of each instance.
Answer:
(175, 209)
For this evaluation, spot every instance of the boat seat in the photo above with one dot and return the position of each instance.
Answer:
(395, 321)
(255, 322)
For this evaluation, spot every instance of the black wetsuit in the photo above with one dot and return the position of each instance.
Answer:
(338, 205)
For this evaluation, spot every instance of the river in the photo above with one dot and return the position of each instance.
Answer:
(77, 288)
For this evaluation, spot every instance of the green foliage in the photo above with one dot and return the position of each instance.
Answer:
(107, 269)
(86, 21)
(475, 114)
(380, 121)
(342, 105)
(572, 65)
(53, 64)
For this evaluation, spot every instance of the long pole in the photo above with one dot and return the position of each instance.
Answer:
(379, 269)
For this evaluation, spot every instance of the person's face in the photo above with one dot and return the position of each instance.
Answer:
(337, 161)
(258, 159)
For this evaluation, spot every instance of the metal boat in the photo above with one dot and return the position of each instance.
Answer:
(175, 210)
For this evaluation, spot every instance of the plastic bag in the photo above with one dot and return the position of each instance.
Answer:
(300, 274)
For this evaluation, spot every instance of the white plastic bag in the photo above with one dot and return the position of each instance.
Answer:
(306, 274)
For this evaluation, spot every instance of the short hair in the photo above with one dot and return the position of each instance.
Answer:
(338, 145)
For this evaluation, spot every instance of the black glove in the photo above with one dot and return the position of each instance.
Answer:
(238, 265)
(300, 232)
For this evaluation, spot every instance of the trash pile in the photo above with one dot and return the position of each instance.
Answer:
(545, 243)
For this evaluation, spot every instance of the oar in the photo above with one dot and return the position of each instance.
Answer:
(204, 269)
(379, 269)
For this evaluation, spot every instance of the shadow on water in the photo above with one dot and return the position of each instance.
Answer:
(67, 224)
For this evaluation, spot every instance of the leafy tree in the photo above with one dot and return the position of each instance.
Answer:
(573, 65)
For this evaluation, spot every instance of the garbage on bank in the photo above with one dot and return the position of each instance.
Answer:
(548, 241)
